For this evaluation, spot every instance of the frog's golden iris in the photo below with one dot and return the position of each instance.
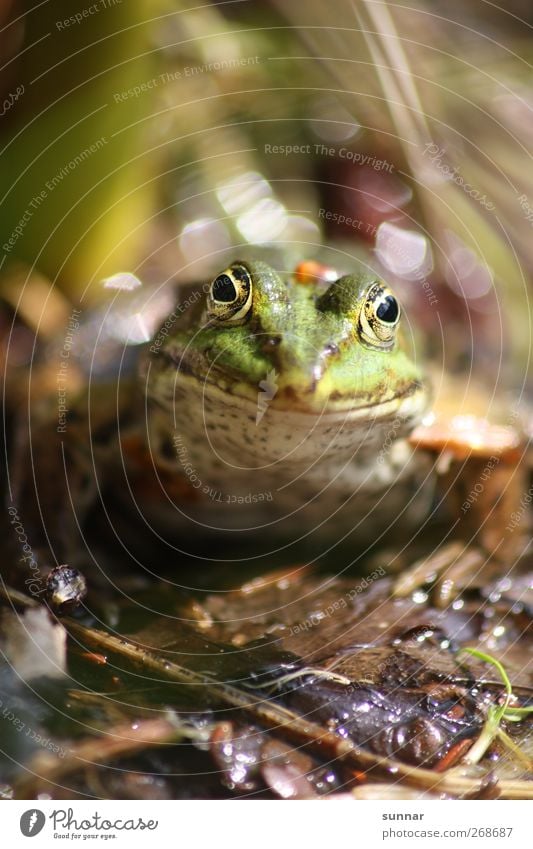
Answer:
(230, 295)
(379, 317)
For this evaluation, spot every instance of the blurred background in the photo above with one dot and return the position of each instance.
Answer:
(152, 141)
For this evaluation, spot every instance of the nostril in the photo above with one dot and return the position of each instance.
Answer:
(270, 343)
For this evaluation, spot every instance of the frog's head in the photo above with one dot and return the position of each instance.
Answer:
(274, 346)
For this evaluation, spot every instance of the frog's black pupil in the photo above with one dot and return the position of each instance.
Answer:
(388, 309)
(223, 289)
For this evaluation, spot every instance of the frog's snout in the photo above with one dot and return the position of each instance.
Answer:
(299, 363)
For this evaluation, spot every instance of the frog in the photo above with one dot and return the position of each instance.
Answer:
(277, 408)
(291, 401)
(271, 414)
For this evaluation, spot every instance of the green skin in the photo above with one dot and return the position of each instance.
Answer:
(308, 333)
(332, 430)
(328, 452)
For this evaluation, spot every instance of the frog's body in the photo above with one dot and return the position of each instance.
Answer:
(270, 408)
(296, 411)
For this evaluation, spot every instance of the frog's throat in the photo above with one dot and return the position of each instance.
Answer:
(234, 432)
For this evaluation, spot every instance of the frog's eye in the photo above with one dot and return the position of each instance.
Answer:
(230, 295)
(379, 317)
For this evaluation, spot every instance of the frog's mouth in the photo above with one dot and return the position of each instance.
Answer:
(411, 396)
(409, 400)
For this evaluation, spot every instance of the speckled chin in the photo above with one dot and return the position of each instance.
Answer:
(303, 473)
(225, 430)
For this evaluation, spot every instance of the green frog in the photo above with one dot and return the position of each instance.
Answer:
(274, 409)
(283, 401)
